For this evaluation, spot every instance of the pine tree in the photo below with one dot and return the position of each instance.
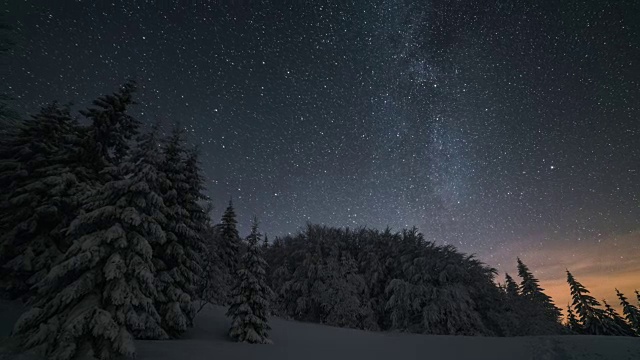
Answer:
(229, 241)
(178, 261)
(511, 317)
(111, 129)
(213, 289)
(572, 321)
(542, 315)
(199, 220)
(38, 171)
(617, 325)
(250, 296)
(103, 290)
(630, 312)
(593, 320)
(511, 288)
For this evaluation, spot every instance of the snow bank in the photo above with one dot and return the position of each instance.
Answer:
(294, 340)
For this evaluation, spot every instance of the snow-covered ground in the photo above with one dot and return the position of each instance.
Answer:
(295, 340)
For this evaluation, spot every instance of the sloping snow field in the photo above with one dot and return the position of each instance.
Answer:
(295, 340)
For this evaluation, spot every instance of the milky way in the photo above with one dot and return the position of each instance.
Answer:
(501, 127)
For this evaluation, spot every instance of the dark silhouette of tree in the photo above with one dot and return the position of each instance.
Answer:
(250, 296)
(593, 320)
(630, 312)
(572, 321)
(542, 316)
(38, 168)
(111, 130)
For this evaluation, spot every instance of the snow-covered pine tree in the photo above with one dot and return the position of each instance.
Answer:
(592, 319)
(511, 318)
(250, 297)
(543, 317)
(37, 167)
(230, 240)
(194, 201)
(227, 243)
(376, 259)
(296, 295)
(511, 288)
(432, 295)
(104, 289)
(342, 297)
(112, 128)
(213, 288)
(630, 312)
(178, 261)
(618, 326)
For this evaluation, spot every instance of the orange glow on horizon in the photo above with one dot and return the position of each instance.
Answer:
(600, 266)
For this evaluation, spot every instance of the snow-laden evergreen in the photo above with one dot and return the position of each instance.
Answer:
(384, 281)
(619, 326)
(507, 312)
(592, 319)
(511, 287)
(216, 279)
(430, 296)
(250, 296)
(103, 291)
(230, 240)
(328, 290)
(38, 164)
(223, 261)
(630, 312)
(107, 139)
(178, 261)
(542, 316)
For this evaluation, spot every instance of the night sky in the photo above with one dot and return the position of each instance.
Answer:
(505, 128)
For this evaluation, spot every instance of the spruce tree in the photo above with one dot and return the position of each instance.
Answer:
(104, 289)
(572, 321)
(618, 326)
(178, 261)
(250, 296)
(630, 312)
(513, 316)
(542, 315)
(38, 164)
(593, 319)
(214, 288)
(229, 243)
(110, 132)
(511, 288)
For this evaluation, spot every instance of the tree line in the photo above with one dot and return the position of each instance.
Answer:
(380, 280)
(106, 232)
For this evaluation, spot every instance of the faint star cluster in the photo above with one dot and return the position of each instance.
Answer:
(484, 124)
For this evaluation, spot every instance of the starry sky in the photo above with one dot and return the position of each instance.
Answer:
(505, 128)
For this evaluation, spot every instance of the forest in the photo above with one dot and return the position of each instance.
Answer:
(107, 234)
